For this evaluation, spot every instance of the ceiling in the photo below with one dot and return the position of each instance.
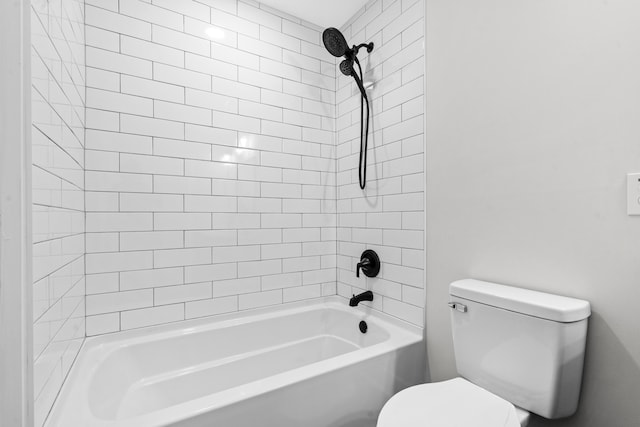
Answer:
(325, 13)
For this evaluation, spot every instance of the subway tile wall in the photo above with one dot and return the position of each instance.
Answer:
(58, 113)
(389, 215)
(210, 161)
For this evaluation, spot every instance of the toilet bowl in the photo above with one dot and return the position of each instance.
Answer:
(516, 350)
(452, 403)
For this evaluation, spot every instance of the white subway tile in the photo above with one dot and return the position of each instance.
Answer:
(211, 307)
(279, 281)
(151, 127)
(260, 48)
(112, 181)
(257, 237)
(259, 268)
(101, 242)
(151, 316)
(151, 164)
(102, 79)
(116, 221)
(179, 40)
(118, 301)
(103, 39)
(133, 202)
(101, 202)
(258, 110)
(301, 32)
(151, 51)
(278, 99)
(102, 120)
(182, 293)
(103, 324)
(257, 78)
(210, 204)
(211, 101)
(181, 149)
(235, 253)
(181, 77)
(152, 13)
(111, 61)
(224, 288)
(136, 241)
(302, 293)
(275, 37)
(232, 22)
(235, 89)
(102, 283)
(181, 185)
(181, 257)
(211, 135)
(235, 221)
(203, 238)
(236, 122)
(259, 173)
(211, 66)
(186, 7)
(222, 170)
(215, 272)
(259, 205)
(101, 161)
(260, 299)
(141, 279)
(118, 142)
(282, 250)
(234, 56)
(254, 14)
(182, 113)
(227, 187)
(181, 221)
(300, 264)
(116, 22)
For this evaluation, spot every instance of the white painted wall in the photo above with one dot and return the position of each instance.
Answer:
(16, 325)
(533, 122)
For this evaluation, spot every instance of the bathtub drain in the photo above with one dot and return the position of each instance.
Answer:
(363, 327)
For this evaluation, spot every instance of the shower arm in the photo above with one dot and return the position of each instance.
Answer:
(369, 47)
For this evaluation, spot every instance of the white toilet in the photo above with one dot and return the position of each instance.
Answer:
(517, 351)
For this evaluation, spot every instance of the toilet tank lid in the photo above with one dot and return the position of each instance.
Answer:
(525, 301)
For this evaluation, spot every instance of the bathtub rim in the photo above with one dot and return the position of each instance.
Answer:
(245, 316)
(402, 334)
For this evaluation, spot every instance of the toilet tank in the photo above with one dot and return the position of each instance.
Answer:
(524, 346)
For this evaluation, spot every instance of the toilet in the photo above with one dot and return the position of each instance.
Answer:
(517, 352)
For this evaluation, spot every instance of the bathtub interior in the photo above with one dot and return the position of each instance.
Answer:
(140, 376)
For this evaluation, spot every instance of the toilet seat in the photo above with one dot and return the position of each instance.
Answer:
(452, 403)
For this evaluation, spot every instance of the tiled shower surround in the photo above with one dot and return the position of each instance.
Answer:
(58, 109)
(222, 161)
(210, 161)
(388, 216)
(219, 171)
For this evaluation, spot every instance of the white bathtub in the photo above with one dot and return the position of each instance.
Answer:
(293, 366)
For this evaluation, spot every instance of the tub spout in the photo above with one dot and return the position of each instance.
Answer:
(357, 299)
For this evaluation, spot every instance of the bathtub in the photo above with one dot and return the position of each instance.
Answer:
(297, 365)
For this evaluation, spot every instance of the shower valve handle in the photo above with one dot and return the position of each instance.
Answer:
(369, 264)
(360, 265)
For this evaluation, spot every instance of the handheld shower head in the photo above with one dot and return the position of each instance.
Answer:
(335, 42)
(337, 46)
(346, 67)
